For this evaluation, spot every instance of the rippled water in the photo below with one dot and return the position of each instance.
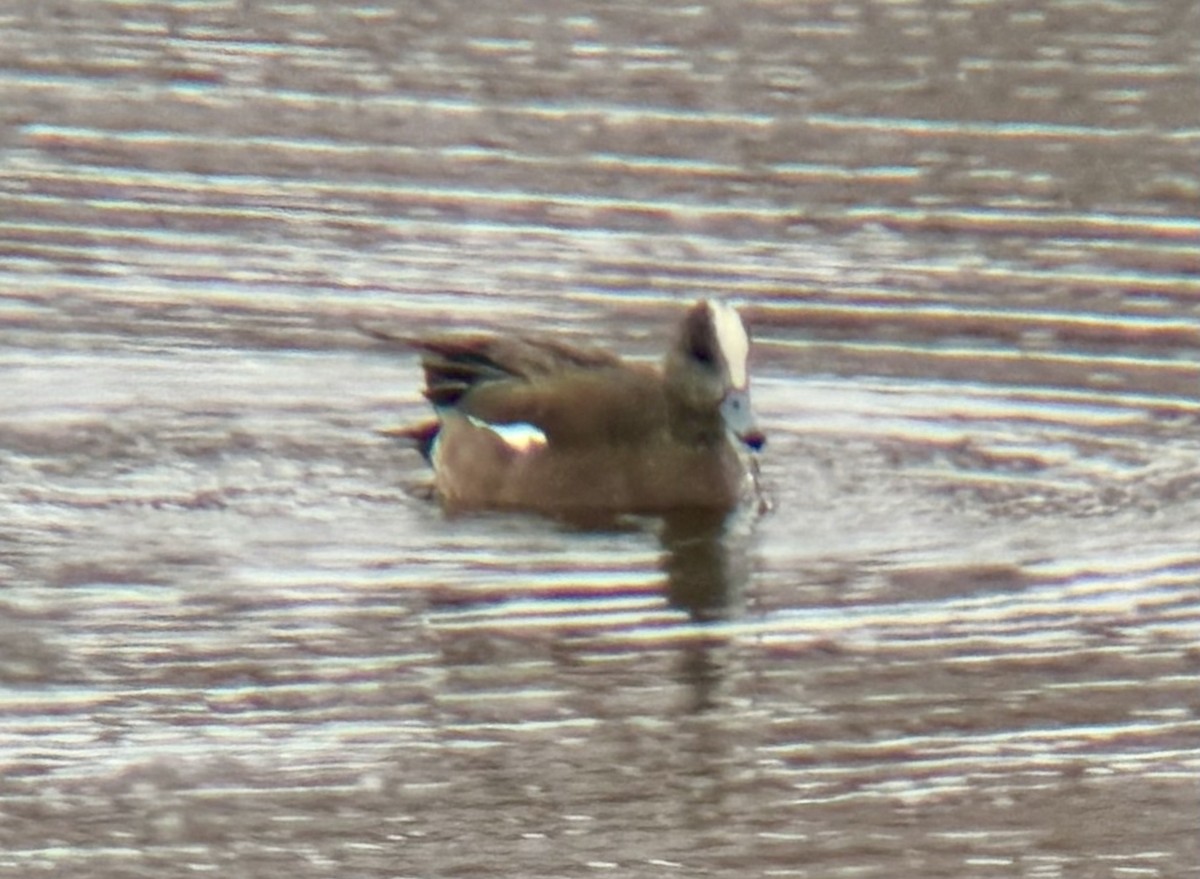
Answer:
(237, 636)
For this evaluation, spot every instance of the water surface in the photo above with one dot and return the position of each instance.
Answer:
(237, 636)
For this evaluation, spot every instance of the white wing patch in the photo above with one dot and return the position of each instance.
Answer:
(732, 338)
(519, 437)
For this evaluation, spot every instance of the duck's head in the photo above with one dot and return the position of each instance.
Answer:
(707, 376)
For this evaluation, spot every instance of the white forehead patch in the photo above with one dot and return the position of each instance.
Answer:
(732, 339)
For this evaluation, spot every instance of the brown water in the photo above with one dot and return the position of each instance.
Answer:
(237, 638)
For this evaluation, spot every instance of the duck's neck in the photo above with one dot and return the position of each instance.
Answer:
(691, 419)
(694, 428)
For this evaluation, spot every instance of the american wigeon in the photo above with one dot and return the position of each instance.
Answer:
(531, 423)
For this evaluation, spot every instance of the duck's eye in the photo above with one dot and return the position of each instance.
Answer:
(704, 354)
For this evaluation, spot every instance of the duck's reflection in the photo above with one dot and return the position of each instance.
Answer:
(701, 671)
(706, 568)
(704, 557)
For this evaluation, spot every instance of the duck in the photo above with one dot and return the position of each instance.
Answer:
(531, 423)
